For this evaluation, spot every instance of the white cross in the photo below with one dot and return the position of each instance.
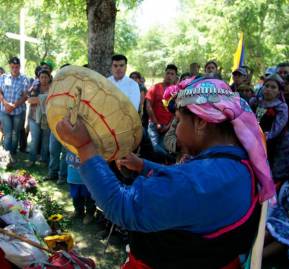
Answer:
(23, 38)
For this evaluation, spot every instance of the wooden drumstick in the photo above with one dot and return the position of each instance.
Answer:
(24, 239)
(74, 110)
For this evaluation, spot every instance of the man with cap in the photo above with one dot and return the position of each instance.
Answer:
(13, 89)
(240, 76)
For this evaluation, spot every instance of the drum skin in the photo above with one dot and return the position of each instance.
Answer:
(111, 120)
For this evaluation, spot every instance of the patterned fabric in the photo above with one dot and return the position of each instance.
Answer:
(276, 109)
(213, 101)
(273, 119)
(73, 173)
(13, 89)
(278, 219)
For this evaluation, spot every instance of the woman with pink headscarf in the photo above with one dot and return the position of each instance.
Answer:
(199, 214)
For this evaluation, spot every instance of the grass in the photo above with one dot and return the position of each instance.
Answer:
(87, 238)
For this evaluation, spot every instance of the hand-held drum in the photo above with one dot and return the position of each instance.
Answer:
(111, 119)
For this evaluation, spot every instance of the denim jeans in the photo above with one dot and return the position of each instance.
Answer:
(12, 125)
(57, 162)
(157, 143)
(38, 137)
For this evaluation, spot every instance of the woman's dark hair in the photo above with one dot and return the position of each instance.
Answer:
(186, 74)
(211, 62)
(277, 79)
(135, 73)
(36, 71)
(44, 71)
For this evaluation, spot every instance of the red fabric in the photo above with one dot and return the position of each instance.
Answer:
(235, 264)
(64, 260)
(4, 264)
(133, 263)
(155, 96)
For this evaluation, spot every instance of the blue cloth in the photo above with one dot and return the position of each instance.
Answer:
(12, 125)
(57, 162)
(13, 89)
(198, 196)
(78, 190)
(38, 136)
(278, 217)
(73, 173)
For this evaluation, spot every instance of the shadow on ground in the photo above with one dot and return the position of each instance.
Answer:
(88, 238)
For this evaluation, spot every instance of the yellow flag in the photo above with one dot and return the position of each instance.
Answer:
(239, 55)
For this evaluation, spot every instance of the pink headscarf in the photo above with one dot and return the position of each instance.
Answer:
(213, 101)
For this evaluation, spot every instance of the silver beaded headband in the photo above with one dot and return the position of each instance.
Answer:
(202, 95)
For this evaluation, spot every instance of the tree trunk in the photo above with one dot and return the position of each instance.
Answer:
(101, 16)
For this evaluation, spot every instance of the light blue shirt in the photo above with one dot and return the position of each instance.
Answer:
(73, 173)
(13, 89)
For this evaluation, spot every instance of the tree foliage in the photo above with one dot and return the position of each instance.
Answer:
(210, 30)
(62, 28)
(204, 30)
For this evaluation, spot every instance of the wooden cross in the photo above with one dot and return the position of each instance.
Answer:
(23, 38)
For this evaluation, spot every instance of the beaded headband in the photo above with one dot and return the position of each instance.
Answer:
(202, 95)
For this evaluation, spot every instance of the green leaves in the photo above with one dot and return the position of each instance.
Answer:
(210, 30)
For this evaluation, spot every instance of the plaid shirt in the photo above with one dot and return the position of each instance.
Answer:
(13, 89)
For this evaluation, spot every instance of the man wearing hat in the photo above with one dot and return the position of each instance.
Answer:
(13, 88)
(240, 76)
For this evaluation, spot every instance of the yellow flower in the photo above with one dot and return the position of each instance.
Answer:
(21, 172)
(55, 217)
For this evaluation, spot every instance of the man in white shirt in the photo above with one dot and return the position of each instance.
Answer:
(126, 85)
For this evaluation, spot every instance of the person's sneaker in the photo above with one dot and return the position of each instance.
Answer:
(61, 181)
(88, 219)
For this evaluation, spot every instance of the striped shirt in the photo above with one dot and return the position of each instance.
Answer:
(13, 89)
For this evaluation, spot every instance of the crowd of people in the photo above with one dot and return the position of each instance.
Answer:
(176, 215)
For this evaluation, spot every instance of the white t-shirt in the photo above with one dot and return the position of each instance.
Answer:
(128, 87)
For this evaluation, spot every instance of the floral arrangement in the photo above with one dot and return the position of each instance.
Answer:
(4, 158)
(20, 180)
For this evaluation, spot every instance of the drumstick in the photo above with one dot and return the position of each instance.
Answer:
(74, 110)
(24, 239)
